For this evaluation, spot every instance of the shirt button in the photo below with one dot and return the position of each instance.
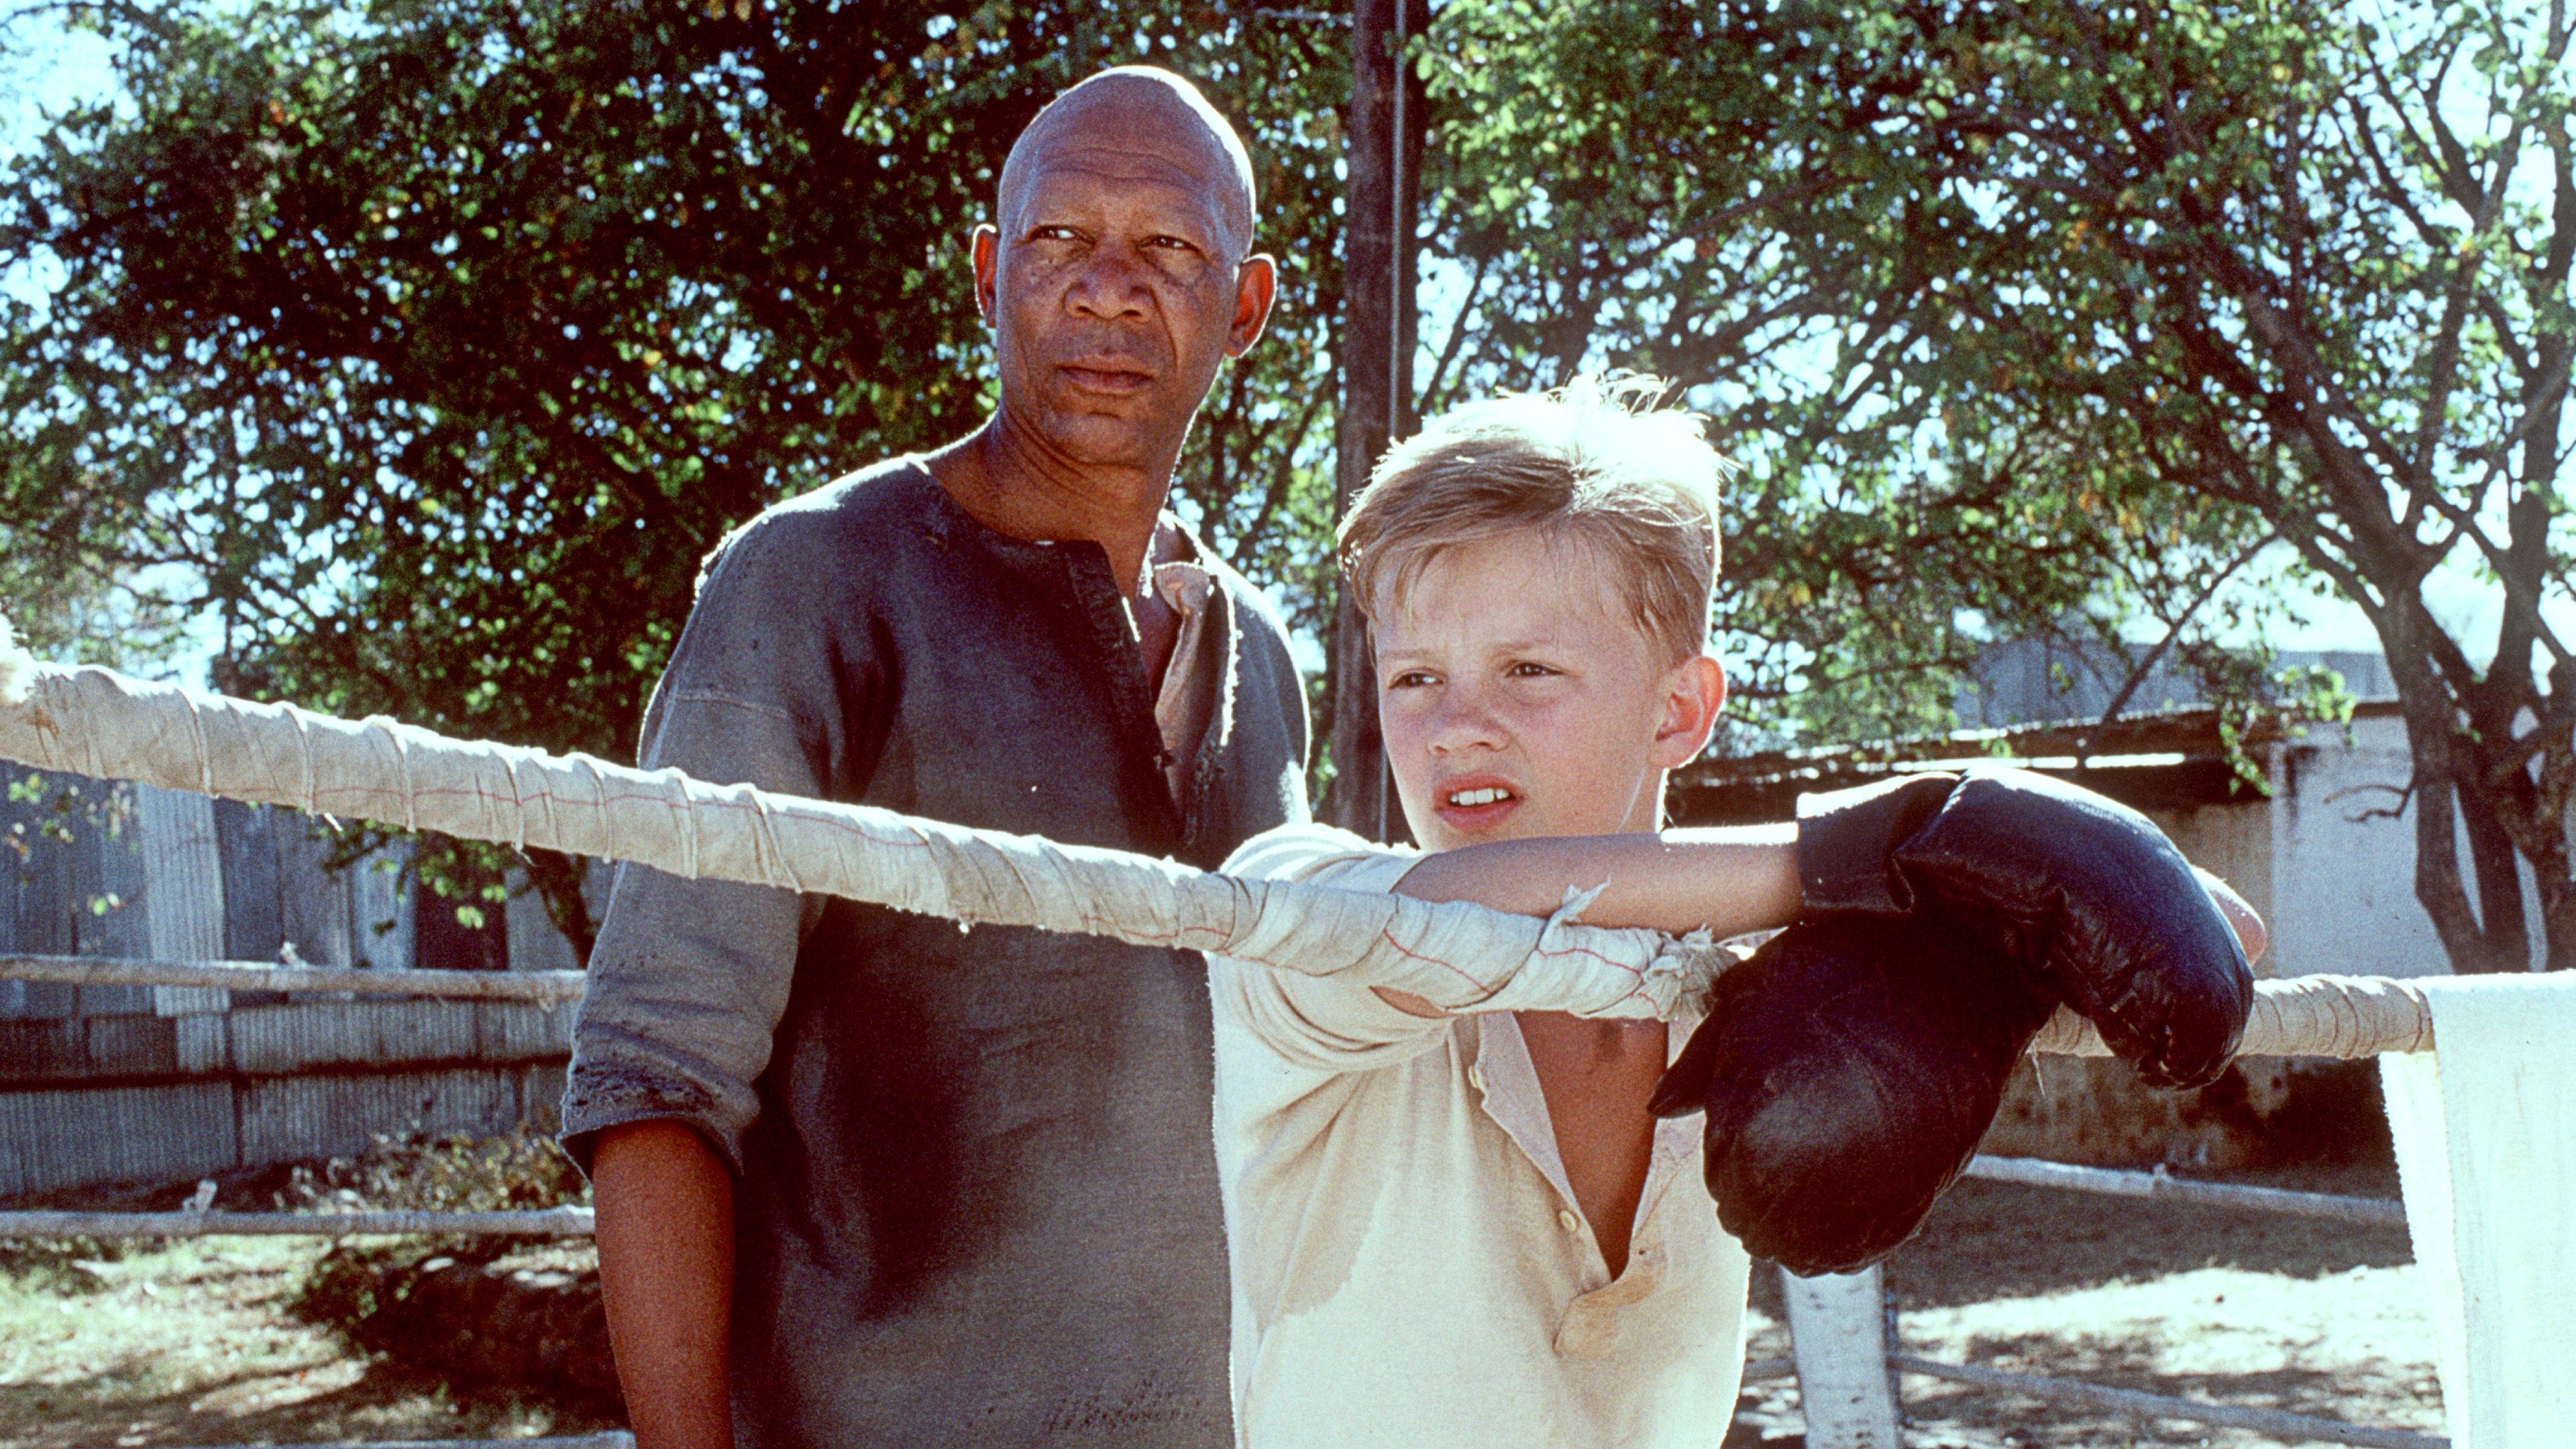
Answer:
(1476, 1075)
(1566, 1219)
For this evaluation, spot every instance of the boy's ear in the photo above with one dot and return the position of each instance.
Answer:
(1693, 694)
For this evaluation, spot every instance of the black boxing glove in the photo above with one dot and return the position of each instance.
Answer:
(1849, 1070)
(2077, 887)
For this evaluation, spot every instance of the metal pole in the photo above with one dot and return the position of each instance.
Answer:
(544, 988)
(2038, 1172)
(1399, 227)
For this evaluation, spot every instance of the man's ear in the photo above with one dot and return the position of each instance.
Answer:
(1256, 287)
(1694, 693)
(985, 245)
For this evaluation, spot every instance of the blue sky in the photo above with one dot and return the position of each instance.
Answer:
(47, 68)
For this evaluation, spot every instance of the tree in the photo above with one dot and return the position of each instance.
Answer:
(431, 344)
(2305, 271)
(1716, 193)
(436, 340)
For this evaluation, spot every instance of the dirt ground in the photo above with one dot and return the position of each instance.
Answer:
(194, 1343)
(2312, 1317)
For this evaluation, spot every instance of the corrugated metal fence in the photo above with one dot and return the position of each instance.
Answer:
(104, 1083)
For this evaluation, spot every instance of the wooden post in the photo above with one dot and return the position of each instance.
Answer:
(1838, 1329)
(1385, 132)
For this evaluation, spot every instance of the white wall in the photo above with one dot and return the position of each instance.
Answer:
(2343, 886)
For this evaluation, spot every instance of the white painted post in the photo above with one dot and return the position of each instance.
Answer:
(1838, 1329)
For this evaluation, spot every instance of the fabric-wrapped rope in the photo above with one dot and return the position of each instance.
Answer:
(95, 722)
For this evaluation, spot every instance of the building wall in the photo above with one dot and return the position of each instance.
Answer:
(2343, 874)
(2232, 842)
(2326, 860)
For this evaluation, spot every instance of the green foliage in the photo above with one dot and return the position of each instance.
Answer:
(1730, 195)
(433, 342)
(2056, 315)
(400, 1296)
(451, 1172)
(2293, 272)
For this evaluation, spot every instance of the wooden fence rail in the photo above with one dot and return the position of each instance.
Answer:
(546, 988)
(613, 1439)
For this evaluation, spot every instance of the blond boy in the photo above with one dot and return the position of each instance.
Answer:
(1467, 1229)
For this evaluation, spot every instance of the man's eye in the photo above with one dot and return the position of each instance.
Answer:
(1173, 242)
(1053, 233)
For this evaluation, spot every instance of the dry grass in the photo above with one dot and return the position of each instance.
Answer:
(194, 1343)
(200, 1341)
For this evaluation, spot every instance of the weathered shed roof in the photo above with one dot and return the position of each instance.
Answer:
(2161, 760)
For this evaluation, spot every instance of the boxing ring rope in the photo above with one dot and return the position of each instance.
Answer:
(97, 723)
(94, 722)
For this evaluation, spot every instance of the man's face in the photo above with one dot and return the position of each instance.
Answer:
(1115, 281)
(1518, 697)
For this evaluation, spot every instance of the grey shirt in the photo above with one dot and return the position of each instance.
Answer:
(976, 1196)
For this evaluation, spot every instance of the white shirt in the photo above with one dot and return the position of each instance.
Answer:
(1410, 1265)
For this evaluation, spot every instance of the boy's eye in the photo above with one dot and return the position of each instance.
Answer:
(1530, 669)
(1409, 679)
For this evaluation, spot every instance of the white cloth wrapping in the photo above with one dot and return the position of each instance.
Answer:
(98, 723)
(2485, 1128)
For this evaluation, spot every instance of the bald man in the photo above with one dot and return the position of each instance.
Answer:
(864, 1178)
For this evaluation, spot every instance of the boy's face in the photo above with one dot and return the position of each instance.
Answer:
(1519, 697)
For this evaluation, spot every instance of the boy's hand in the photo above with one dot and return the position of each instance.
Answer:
(1848, 1071)
(2075, 886)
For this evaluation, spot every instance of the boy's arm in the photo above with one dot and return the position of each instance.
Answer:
(665, 1202)
(1732, 880)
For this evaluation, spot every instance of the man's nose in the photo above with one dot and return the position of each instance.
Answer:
(1111, 285)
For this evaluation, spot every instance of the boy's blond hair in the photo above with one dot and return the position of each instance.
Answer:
(1596, 461)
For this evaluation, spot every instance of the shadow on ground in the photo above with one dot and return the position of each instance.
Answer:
(384, 1400)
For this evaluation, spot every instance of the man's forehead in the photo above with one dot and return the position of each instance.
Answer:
(1129, 128)
(1158, 173)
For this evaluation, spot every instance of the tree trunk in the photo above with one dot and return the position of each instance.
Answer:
(2505, 935)
(558, 879)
